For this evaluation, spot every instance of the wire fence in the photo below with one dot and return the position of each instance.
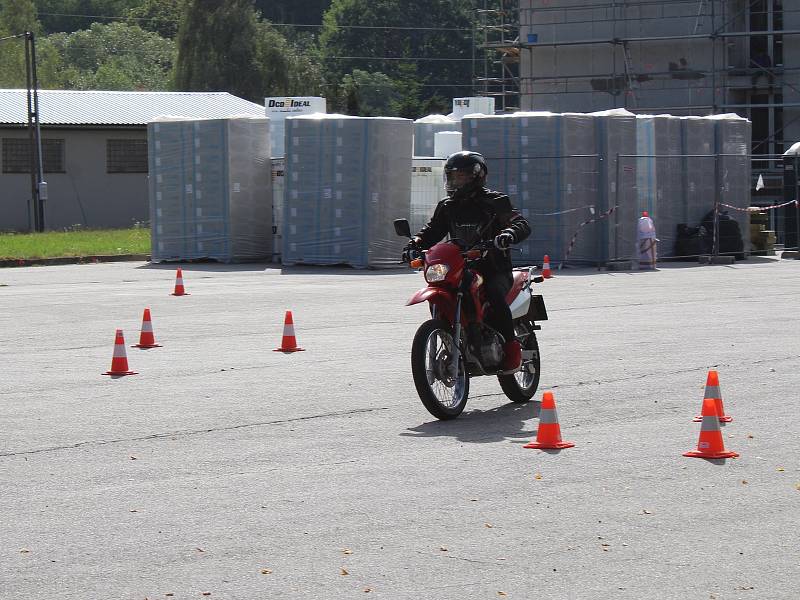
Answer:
(585, 209)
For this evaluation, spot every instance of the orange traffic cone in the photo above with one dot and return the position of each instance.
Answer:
(546, 272)
(549, 434)
(710, 444)
(146, 337)
(119, 363)
(179, 289)
(289, 342)
(712, 391)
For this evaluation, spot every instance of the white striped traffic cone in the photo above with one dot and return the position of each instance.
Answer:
(289, 341)
(119, 363)
(146, 337)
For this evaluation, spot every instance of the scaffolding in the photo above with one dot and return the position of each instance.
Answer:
(498, 35)
(742, 42)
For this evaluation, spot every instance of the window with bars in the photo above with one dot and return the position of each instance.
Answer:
(17, 155)
(126, 156)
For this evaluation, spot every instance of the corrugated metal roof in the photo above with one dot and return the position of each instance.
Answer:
(72, 107)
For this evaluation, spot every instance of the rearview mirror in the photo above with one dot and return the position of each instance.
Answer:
(402, 228)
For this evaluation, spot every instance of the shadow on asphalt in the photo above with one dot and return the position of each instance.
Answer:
(506, 422)
(215, 267)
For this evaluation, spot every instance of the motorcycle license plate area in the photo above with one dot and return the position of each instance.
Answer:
(537, 310)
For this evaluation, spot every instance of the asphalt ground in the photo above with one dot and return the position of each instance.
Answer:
(226, 470)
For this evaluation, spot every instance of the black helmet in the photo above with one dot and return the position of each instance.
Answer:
(467, 162)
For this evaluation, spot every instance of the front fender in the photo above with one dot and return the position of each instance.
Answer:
(442, 299)
(435, 295)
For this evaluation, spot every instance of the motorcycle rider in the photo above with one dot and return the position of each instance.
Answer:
(472, 213)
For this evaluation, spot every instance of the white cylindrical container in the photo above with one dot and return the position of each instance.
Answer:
(646, 242)
(446, 143)
(427, 188)
(468, 106)
(277, 109)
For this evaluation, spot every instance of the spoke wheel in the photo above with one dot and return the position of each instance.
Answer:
(442, 389)
(522, 385)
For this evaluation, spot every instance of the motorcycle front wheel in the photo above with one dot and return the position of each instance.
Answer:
(443, 391)
(522, 385)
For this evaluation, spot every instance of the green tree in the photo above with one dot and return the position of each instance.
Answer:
(226, 47)
(158, 16)
(398, 47)
(366, 94)
(19, 16)
(307, 12)
(115, 57)
(71, 15)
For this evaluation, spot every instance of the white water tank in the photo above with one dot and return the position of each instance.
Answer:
(277, 109)
(446, 143)
(469, 106)
(427, 188)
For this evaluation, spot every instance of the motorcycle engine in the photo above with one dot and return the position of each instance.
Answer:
(491, 349)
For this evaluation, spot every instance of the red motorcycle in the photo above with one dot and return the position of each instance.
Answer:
(457, 343)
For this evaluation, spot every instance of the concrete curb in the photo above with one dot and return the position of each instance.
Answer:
(72, 260)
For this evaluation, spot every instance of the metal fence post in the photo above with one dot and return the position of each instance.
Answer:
(717, 191)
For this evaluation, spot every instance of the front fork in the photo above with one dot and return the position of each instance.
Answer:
(457, 335)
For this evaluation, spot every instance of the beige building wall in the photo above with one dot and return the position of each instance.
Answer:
(85, 194)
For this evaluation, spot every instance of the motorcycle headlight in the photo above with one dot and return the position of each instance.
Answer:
(436, 273)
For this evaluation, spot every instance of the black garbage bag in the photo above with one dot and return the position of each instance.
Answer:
(730, 235)
(690, 242)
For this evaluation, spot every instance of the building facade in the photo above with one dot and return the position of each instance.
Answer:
(682, 57)
(94, 153)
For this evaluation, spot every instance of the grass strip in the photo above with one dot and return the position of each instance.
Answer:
(86, 242)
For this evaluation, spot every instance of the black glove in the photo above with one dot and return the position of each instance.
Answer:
(410, 252)
(504, 240)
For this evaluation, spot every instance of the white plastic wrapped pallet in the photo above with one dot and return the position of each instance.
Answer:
(278, 109)
(347, 179)
(425, 129)
(732, 138)
(659, 175)
(616, 136)
(534, 158)
(209, 190)
(698, 146)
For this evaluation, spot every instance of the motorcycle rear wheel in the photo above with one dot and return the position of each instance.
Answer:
(522, 385)
(443, 394)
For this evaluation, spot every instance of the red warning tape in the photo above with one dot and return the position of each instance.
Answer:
(581, 226)
(758, 208)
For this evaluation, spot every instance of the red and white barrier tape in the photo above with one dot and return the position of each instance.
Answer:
(581, 226)
(563, 212)
(758, 208)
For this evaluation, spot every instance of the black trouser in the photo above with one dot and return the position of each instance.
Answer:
(497, 286)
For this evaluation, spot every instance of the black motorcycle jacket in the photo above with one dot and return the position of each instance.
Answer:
(481, 215)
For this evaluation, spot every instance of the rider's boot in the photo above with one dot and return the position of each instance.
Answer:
(512, 359)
